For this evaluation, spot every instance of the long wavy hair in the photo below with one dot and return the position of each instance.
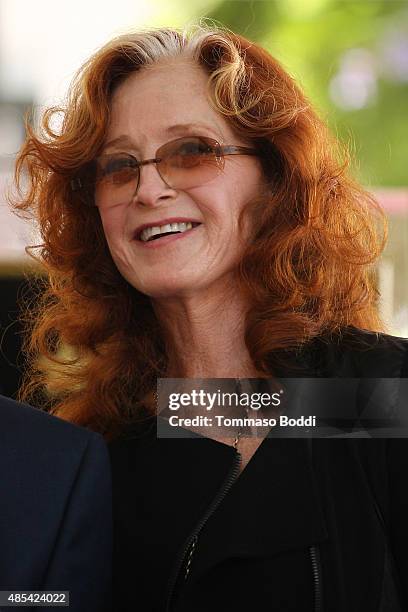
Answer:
(94, 346)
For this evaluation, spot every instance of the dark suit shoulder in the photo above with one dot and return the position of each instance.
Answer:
(55, 515)
(22, 425)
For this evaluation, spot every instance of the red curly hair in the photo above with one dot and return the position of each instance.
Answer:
(308, 269)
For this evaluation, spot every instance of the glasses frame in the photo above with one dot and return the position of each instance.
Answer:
(77, 184)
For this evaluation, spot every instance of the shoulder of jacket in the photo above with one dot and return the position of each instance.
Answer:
(23, 424)
(358, 352)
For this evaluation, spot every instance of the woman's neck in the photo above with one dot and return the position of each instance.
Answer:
(206, 335)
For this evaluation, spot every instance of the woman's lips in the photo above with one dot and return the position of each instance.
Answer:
(159, 242)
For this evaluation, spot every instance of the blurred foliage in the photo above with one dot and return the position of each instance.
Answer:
(313, 40)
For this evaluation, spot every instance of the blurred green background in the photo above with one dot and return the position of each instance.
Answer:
(351, 59)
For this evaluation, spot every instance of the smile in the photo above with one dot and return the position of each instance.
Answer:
(155, 232)
(158, 235)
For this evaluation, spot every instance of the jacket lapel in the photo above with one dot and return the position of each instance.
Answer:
(273, 507)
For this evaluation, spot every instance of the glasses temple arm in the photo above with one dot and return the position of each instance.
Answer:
(235, 150)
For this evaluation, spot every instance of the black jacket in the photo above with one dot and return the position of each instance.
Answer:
(307, 526)
(55, 508)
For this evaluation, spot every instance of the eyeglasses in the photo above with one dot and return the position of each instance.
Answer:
(183, 163)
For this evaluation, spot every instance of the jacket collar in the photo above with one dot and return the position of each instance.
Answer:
(277, 490)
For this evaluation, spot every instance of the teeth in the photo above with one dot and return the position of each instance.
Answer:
(148, 232)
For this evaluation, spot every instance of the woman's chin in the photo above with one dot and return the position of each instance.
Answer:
(168, 289)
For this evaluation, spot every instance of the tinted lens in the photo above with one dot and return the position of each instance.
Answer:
(189, 162)
(116, 179)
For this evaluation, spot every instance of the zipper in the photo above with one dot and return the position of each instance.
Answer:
(317, 578)
(315, 553)
(189, 547)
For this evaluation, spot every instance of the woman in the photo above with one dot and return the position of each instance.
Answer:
(199, 222)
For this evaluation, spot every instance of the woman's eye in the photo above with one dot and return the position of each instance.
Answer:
(194, 148)
(117, 170)
(117, 164)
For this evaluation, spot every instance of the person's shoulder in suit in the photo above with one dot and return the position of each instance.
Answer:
(55, 515)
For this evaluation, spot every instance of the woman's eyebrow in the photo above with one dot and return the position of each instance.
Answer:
(120, 140)
(191, 127)
(181, 128)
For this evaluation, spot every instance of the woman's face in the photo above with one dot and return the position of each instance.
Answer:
(151, 108)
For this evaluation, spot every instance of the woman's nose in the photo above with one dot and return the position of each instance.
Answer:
(152, 189)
